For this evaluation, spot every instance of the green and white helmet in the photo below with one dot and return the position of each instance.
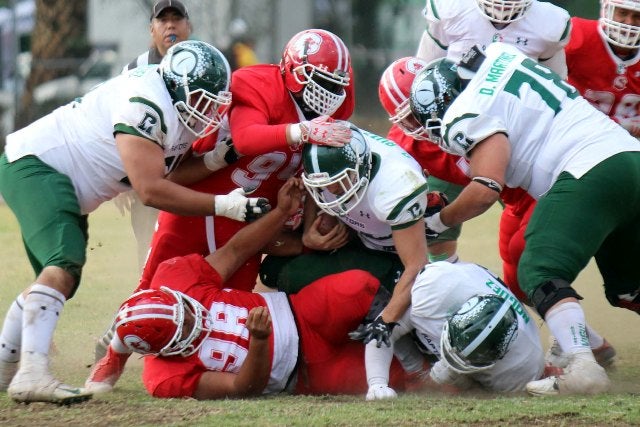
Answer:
(337, 177)
(478, 334)
(433, 90)
(197, 76)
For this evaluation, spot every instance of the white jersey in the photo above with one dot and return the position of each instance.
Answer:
(438, 292)
(395, 198)
(459, 25)
(78, 139)
(551, 128)
(456, 26)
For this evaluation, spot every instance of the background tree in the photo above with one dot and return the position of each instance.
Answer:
(58, 45)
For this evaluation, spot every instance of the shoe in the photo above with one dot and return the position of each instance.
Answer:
(106, 372)
(581, 376)
(27, 387)
(605, 355)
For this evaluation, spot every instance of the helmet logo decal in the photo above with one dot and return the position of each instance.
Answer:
(137, 344)
(425, 94)
(415, 65)
(307, 44)
(184, 62)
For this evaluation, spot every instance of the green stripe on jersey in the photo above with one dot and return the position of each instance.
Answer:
(401, 206)
(163, 126)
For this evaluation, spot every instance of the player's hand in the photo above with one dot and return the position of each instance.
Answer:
(380, 392)
(319, 239)
(436, 201)
(290, 196)
(378, 330)
(324, 130)
(222, 155)
(236, 205)
(259, 323)
(632, 125)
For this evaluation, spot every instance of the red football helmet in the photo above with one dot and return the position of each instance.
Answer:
(393, 91)
(162, 322)
(318, 62)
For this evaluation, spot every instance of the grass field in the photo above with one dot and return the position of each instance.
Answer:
(111, 274)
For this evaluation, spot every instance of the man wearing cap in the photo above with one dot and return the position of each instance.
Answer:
(169, 25)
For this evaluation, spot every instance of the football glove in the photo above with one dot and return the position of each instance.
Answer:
(221, 156)
(436, 201)
(236, 206)
(380, 392)
(378, 330)
(324, 130)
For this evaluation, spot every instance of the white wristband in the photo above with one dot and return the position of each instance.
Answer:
(295, 133)
(435, 224)
(212, 161)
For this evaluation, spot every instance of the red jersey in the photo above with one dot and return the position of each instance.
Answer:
(611, 84)
(325, 311)
(262, 107)
(436, 162)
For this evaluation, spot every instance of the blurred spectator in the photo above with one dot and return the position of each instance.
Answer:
(240, 52)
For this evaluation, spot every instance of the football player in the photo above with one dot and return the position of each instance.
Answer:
(446, 173)
(212, 343)
(129, 132)
(378, 190)
(603, 61)
(479, 331)
(169, 24)
(565, 155)
(276, 110)
(538, 29)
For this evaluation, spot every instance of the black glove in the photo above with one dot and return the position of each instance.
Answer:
(378, 330)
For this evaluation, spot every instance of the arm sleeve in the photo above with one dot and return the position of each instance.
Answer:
(378, 359)
(250, 118)
(428, 49)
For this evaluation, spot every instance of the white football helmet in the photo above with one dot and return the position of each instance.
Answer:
(504, 11)
(618, 33)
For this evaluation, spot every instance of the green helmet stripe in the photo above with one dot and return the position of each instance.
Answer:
(487, 330)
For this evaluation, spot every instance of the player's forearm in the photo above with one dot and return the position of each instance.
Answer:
(474, 200)
(190, 171)
(401, 298)
(171, 197)
(254, 374)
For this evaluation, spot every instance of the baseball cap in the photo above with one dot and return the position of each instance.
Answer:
(161, 5)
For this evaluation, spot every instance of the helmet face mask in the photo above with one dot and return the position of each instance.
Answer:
(197, 77)
(317, 63)
(618, 33)
(394, 90)
(432, 93)
(504, 11)
(478, 334)
(162, 322)
(337, 177)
